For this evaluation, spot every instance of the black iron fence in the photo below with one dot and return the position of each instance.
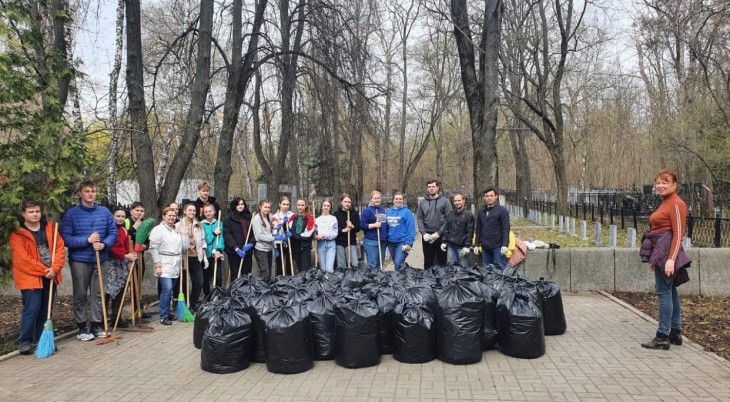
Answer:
(704, 232)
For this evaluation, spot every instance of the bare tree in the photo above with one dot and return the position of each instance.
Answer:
(480, 87)
(113, 83)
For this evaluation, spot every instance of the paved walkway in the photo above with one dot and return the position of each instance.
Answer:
(599, 358)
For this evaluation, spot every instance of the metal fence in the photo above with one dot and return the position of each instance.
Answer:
(704, 232)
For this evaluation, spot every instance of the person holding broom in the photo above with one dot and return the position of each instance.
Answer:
(348, 224)
(374, 226)
(262, 228)
(214, 252)
(280, 218)
(132, 223)
(89, 231)
(31, 247)
(120, 255)
(235, 234)
(301, 226)
(167, 248)
(196, 261)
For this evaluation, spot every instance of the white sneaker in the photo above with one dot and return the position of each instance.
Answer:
(85, 336)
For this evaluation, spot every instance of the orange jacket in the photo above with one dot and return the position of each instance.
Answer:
(28, 270)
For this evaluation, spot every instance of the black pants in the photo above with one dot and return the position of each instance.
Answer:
(234, 261)
(263, 260)
(196, 281)
(301, 252)
(432, 254)
(116, 304)
(208, 275)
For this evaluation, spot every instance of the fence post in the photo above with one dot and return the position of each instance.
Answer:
(612, 234)
(690, 224)
(610, 214)
(636, 220)
(597, 233)
(623, 225)
(600, 212)
(593, 213)
(631, 238)
(583, 230)
(718, 237)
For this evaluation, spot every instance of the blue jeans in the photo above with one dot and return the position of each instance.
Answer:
(371, 253)
(670, 308)
(342, 256)
(494, 257)
(326, 250)
(397, 254)
(453, 256)
(35, 310)
(165, 297)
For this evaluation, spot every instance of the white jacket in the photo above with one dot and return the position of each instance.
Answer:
(327, 226)
(166, 248)
(264, 237)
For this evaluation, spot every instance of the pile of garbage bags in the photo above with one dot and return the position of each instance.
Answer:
(353, 317)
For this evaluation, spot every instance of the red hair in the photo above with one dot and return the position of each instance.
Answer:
(666, 174)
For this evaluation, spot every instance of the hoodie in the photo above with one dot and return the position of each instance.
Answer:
(401, 226)
(431, 213)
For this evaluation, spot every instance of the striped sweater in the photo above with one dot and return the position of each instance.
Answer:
(671, 216)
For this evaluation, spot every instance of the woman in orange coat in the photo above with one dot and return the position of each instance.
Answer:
(31, 249)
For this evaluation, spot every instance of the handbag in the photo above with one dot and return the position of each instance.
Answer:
(681, 277)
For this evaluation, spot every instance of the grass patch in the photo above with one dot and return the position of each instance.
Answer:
(528, 230)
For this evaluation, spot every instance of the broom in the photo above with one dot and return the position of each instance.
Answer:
(47, 344)
(349, 253)
(245, 242)
(140, 238)
(182, 312)
(217, 238)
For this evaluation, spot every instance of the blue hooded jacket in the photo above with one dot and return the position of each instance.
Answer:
(401, 226)
(79, 223)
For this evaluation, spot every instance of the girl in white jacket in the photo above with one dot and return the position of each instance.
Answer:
(326, 225)
(166, 248)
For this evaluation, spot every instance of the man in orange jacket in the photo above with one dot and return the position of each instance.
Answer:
(31, 249)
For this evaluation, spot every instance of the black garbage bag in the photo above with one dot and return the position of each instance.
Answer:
(519, 321)
(489, 333)
(287, 340)
(385, 299)
(260, 305)
(414, 333)
(247, 285)
(356, 333)
(552, 307)
(322, 318)
(418, 294)
(215, 297)
(353, 279)
(459, 322)
(226, 346)
(299, 296)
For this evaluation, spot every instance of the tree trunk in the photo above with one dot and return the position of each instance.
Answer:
(113, 83)
(137, 109)
(194, 117)
(240, 73)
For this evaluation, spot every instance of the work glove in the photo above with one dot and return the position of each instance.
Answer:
(278, 226)
(465, 251)
(277, 253)
(247, 247)
(138, 248)
(443, 247)
(205, 263)
(241, 253)
(476, 250)
(427, 238)
(503, 250)
(434, 237)
(280, 237)
(288, 234)
(285, 219)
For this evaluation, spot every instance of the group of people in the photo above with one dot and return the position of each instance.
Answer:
(188, 249)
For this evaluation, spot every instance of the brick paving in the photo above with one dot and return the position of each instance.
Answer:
(599, 358)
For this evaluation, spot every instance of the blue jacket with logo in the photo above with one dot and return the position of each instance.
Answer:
(401, 226)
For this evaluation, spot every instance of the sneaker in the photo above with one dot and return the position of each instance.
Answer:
(165, 321)
(98, 332)
(146, 316)
(85, 336)
(25, 348)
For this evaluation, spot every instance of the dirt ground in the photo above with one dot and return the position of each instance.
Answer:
(11, 308)
(706, 319)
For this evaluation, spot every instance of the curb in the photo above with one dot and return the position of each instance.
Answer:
(58, 338)
(641, 314)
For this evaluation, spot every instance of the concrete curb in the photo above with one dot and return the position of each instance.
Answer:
(687, 342)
